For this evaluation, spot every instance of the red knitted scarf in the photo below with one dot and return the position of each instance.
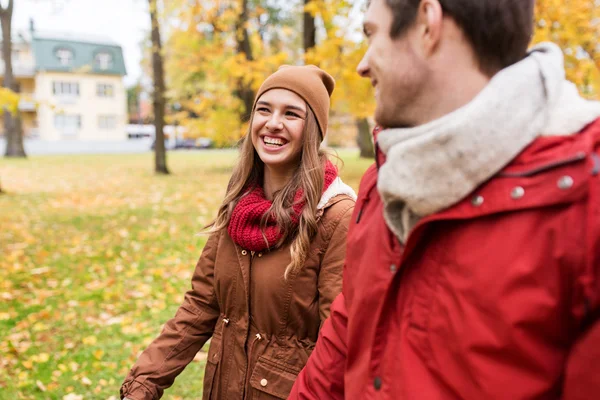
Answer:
(244, 225)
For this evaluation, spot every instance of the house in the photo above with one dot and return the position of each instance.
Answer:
(71, 87)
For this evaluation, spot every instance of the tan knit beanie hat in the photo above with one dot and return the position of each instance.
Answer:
(309, 82)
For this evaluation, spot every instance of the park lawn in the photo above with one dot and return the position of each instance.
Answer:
(96, 253)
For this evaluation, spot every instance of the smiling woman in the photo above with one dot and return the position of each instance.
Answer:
(277, 131)
(273, 263)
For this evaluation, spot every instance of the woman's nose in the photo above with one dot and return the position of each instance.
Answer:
(274, 122)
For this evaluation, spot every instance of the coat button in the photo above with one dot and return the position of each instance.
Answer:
(393, 268)
(477, 201)
(244, 252)
(260, 254)
(377, 383)
(566, 182)
(517, 192)
(263, 382)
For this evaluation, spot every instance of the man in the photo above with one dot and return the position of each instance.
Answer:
(473, 259)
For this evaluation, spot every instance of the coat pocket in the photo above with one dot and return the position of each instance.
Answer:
(272, 380)
(213, 358)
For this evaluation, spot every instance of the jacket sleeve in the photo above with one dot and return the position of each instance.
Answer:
(583, 369)
(182, 336)
(323, 375)
(332, 264)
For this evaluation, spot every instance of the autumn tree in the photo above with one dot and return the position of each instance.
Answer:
(309, 33)
(159, 104)
(339, 53)
(244, 48)
(218, 55)
(12, 119)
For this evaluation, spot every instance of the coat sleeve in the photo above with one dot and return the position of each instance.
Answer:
(583, 370)
(182, 336)
(323, 375)
(332, 264)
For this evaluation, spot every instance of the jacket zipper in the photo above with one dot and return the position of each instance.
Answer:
(247, 374)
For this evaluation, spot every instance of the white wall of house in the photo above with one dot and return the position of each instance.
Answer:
(80, 106)
(23, 62)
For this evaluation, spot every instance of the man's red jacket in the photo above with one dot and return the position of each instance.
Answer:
(497, 297)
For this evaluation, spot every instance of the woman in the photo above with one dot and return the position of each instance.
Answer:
(273, 262)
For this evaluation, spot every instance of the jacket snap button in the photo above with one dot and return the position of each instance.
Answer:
(566, 182)
(244, 252)
(263, 382)
(517, 192)
(393, 268)
(260, 254)
(377, 383)
(477, 201)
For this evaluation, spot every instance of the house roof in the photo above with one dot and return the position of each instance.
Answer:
(84, 51)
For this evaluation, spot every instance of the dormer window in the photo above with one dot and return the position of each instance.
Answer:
(104, 61)
(65, 56)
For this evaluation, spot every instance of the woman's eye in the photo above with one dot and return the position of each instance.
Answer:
(262, 109)
(292, 114)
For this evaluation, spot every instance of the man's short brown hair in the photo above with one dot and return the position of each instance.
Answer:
(498, 30)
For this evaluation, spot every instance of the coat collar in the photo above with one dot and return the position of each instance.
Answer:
(551, 171)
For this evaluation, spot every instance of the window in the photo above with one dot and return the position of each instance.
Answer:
(104, 60)
(65, 88)
(67, 124)
(65, 56)
(107, 121)
(105, 90)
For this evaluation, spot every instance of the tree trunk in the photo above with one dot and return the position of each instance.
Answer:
(13, 128)
(160, 153)
(364, 138)
(310, 32)
(244, 91)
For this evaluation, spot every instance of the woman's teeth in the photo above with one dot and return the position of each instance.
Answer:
(273, 141)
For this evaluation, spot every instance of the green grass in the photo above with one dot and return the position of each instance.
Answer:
(96, 253)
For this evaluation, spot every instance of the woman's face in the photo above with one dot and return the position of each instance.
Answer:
(278, 128)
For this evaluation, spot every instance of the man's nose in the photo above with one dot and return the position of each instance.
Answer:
(363, 66)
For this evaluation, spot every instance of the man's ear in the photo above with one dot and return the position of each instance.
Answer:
(429, 23)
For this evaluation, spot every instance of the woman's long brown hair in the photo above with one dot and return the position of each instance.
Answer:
(309, 176)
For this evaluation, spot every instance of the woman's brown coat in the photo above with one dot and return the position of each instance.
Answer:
(263, 327)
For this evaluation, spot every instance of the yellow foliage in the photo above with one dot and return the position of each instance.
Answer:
(9, 100)
(205, 68)
(575, 26)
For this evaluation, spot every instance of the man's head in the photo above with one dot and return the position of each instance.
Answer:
(429, 57)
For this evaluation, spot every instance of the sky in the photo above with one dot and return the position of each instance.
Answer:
(126, 22)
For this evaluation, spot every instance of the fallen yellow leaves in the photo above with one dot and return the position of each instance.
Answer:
(90, 340)
(98, 354)
(99, 254)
